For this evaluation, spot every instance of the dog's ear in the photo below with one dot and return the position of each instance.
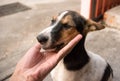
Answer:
(92, 26)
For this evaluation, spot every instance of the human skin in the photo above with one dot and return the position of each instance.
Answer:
(36, 65)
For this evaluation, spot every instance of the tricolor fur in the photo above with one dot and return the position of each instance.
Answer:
(79, 64)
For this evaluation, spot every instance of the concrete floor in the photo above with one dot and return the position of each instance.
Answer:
(18, 33)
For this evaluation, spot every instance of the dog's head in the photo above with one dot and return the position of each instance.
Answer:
(64, 28)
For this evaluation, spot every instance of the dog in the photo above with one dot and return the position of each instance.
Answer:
(79, 64)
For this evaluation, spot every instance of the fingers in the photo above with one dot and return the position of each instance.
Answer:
(37, 46)
(33, 51)
(49, 61)
(64, 51)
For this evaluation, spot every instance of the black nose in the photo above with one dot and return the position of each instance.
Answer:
(42, 39)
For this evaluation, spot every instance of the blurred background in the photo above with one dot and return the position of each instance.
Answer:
(22, 20)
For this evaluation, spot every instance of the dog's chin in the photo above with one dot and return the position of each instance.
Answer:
(47, 50)
(54, 48)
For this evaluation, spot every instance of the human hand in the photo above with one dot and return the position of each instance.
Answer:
(35, 66)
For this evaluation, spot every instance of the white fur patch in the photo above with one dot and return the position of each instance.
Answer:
(93, 71)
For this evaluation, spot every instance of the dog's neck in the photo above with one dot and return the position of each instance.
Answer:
(78, 57)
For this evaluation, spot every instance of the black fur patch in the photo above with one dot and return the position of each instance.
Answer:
(55, 33)
(77, 58)
(108, 71)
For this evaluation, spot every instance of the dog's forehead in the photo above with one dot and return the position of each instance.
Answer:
(62, 15)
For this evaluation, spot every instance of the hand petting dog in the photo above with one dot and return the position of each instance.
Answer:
(35, 66)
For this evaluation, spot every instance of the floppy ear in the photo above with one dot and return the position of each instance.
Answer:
(92, 26)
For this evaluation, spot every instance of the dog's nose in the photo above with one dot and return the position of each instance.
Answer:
(42, 39)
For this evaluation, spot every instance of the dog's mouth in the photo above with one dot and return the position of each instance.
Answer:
(54, 48)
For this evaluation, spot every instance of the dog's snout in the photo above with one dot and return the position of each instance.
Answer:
(42, 39)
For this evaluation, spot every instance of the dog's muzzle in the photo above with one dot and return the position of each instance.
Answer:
(47, 44)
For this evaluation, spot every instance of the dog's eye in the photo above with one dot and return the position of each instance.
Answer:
(66, 26)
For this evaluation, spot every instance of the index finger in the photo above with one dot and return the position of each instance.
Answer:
(67, 49)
